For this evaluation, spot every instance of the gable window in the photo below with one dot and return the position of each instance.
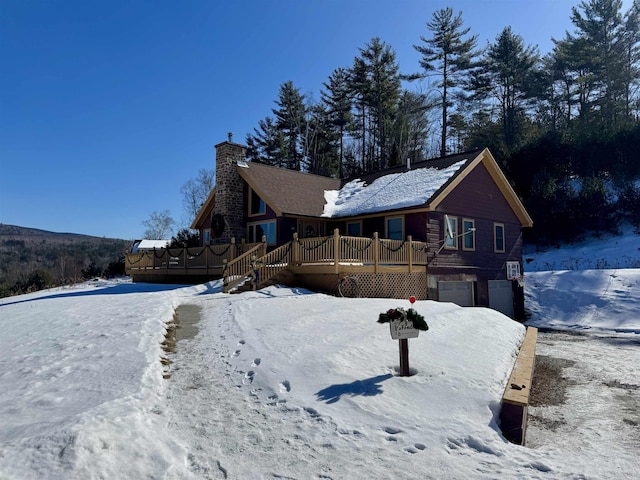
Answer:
(451, 232)
(354, 229)
(498, 237)
(255, 232)
(395, 228)
(468, 234)
(256, 204)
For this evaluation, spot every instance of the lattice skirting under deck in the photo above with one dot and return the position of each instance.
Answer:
(369, 285)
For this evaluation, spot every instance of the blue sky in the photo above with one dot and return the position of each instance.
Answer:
(108, 107)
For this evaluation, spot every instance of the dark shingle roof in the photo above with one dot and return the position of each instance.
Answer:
(289, 191)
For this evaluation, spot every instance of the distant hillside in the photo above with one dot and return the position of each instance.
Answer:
(31, 259)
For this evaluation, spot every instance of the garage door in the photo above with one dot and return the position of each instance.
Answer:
(460, 293)
(501, 296)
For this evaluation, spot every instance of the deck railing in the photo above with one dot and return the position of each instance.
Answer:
(235, 263)
(339, 250)
(238, 269)
(191, 260)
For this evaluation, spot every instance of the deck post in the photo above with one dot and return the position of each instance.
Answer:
(336, 250)
(410, 254)
(295, 250)
(233, 250)
(376, 252)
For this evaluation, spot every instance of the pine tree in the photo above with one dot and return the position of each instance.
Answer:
(448, 56)
(290, 119)
(375, 83)
(337, 101)
(507, 74)
(267, 144)
(599, 38)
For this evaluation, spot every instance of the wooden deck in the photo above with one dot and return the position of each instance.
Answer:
(236, 263)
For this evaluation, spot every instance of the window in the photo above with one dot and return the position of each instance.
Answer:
(395, 228)
(207, 237)
(308, 229)
(451, 232)
(256, 204)
(498, 237)
(513, 270)
(468, 234)
(255, 231)
(354, 229)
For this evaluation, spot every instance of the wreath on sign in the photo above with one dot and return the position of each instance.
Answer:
(401, 314)
(217, 225)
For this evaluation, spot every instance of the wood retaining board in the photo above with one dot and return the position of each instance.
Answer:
(515, 400)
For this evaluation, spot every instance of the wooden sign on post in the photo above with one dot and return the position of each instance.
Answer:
(404, 325)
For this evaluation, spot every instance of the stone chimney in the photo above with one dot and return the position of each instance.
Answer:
(229, 191)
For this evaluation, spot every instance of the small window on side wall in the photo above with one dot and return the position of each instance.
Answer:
(468, 234)
(498, 237)
(395, 228)
(207, 237)
(451, 232)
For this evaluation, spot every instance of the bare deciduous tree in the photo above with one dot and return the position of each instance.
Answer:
(159, 225)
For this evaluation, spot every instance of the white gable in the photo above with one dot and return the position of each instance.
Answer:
(396, 190)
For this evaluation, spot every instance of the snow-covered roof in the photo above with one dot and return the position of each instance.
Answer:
(149, 245)
(396, 190)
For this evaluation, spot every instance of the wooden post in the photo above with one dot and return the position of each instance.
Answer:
(233, 249)
(336, 250)
(404, 357)
(186, 257)
(410, 254)
(376, 252)
(295, 250)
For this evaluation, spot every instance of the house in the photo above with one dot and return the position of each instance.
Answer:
(461, 207)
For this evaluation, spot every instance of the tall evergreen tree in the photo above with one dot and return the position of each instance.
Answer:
(506, 74)
(631, 48)
(267, 144)
(290, 119)
(411, 127)
(337, 101)
(375, 85)
(449, 56)
(599, 34)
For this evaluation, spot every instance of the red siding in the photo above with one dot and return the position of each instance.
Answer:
(477, 198)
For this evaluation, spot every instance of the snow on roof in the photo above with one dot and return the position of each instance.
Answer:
(397, 190)
(149, 245)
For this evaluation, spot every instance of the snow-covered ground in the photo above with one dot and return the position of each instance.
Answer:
(285, 383)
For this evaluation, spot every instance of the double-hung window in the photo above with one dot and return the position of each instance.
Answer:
(498, 237)
(468, 234)
(451, 232)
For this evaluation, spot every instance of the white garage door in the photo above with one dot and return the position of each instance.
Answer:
(501, 296)
(460, 293)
